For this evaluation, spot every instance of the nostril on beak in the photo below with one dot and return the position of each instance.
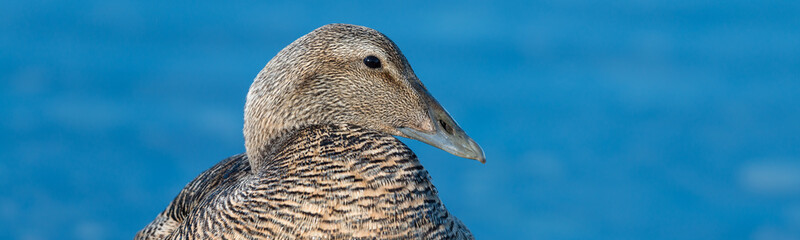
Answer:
(446, 135)
(446, 127)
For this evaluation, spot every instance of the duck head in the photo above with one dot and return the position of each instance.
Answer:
(342, 73)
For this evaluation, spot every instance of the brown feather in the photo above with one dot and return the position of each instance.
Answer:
(330, 182)
(321, 162)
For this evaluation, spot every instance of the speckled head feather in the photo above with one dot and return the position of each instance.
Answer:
(322, 78)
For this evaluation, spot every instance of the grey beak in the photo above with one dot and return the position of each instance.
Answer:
(447, 135)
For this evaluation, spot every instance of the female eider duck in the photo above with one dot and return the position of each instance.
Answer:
(321, 161)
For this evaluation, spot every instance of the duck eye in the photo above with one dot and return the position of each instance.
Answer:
(372, 61)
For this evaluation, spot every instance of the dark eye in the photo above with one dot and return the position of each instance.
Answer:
(372, 61)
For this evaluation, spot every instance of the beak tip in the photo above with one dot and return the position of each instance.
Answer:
(477, 151)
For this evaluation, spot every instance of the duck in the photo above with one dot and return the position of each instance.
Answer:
(321, 159)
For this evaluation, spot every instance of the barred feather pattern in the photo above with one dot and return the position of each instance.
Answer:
(318, 182)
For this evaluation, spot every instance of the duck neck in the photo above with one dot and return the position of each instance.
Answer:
(267, 119)
(262, 129)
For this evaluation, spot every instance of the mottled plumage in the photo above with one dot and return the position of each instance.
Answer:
(330, 182)
(321, 162)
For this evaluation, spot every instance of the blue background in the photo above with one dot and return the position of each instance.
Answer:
(600, 119)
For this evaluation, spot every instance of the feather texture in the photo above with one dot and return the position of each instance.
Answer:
(320, 161)
(317, 182)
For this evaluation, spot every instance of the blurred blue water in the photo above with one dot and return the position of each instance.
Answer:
(600, 120)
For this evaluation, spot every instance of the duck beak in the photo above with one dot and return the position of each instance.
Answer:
(447, 135)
